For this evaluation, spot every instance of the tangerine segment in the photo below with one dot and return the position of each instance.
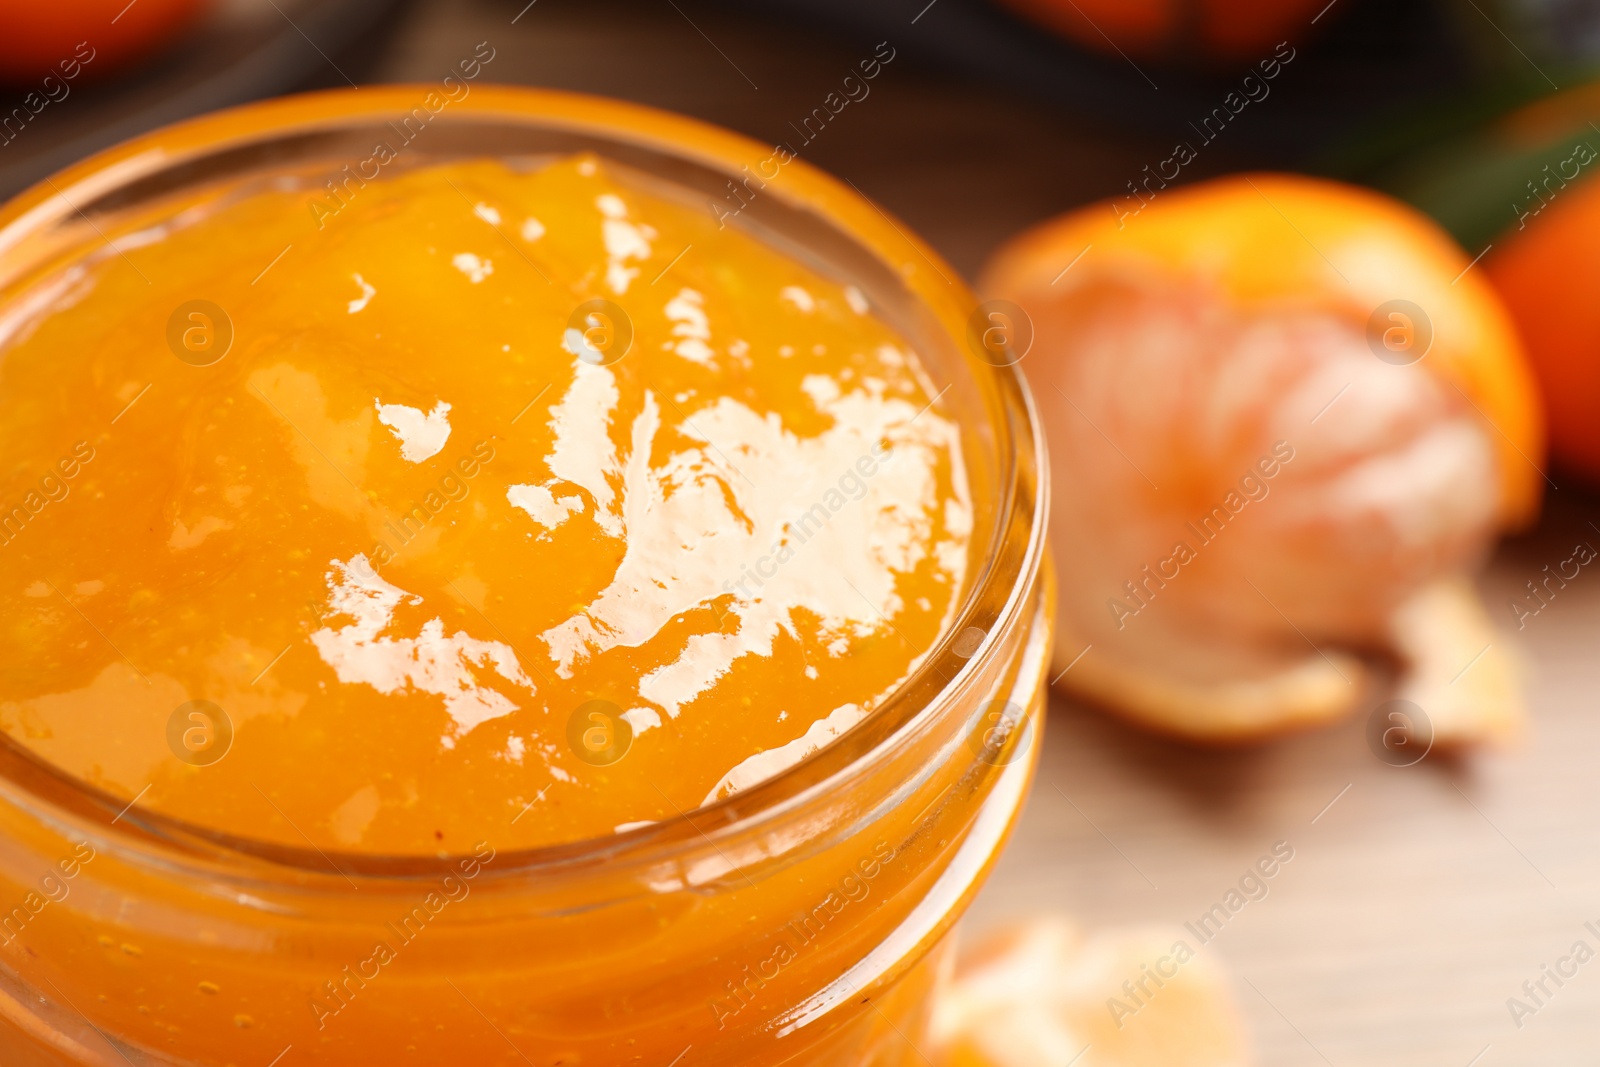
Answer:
(1467, 681)
(473, 497)
(1043, 992)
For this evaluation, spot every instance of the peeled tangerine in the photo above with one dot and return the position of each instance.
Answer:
(1044, 994)
(1285, 421)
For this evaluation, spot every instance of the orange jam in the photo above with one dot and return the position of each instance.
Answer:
(481, 504)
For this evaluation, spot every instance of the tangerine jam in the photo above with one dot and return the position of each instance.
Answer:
(481, 605)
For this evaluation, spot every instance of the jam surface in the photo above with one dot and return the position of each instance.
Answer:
(477, 502)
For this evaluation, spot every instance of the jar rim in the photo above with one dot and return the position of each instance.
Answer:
(997, 593)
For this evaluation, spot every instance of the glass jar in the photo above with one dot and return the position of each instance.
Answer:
(800, 922)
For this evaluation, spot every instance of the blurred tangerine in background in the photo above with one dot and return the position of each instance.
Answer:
(1182, 31)
(40, 36)
(1549, 275)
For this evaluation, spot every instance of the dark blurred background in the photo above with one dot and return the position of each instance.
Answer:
(985, 121)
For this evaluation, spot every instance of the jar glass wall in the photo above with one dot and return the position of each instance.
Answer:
(801, 921)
